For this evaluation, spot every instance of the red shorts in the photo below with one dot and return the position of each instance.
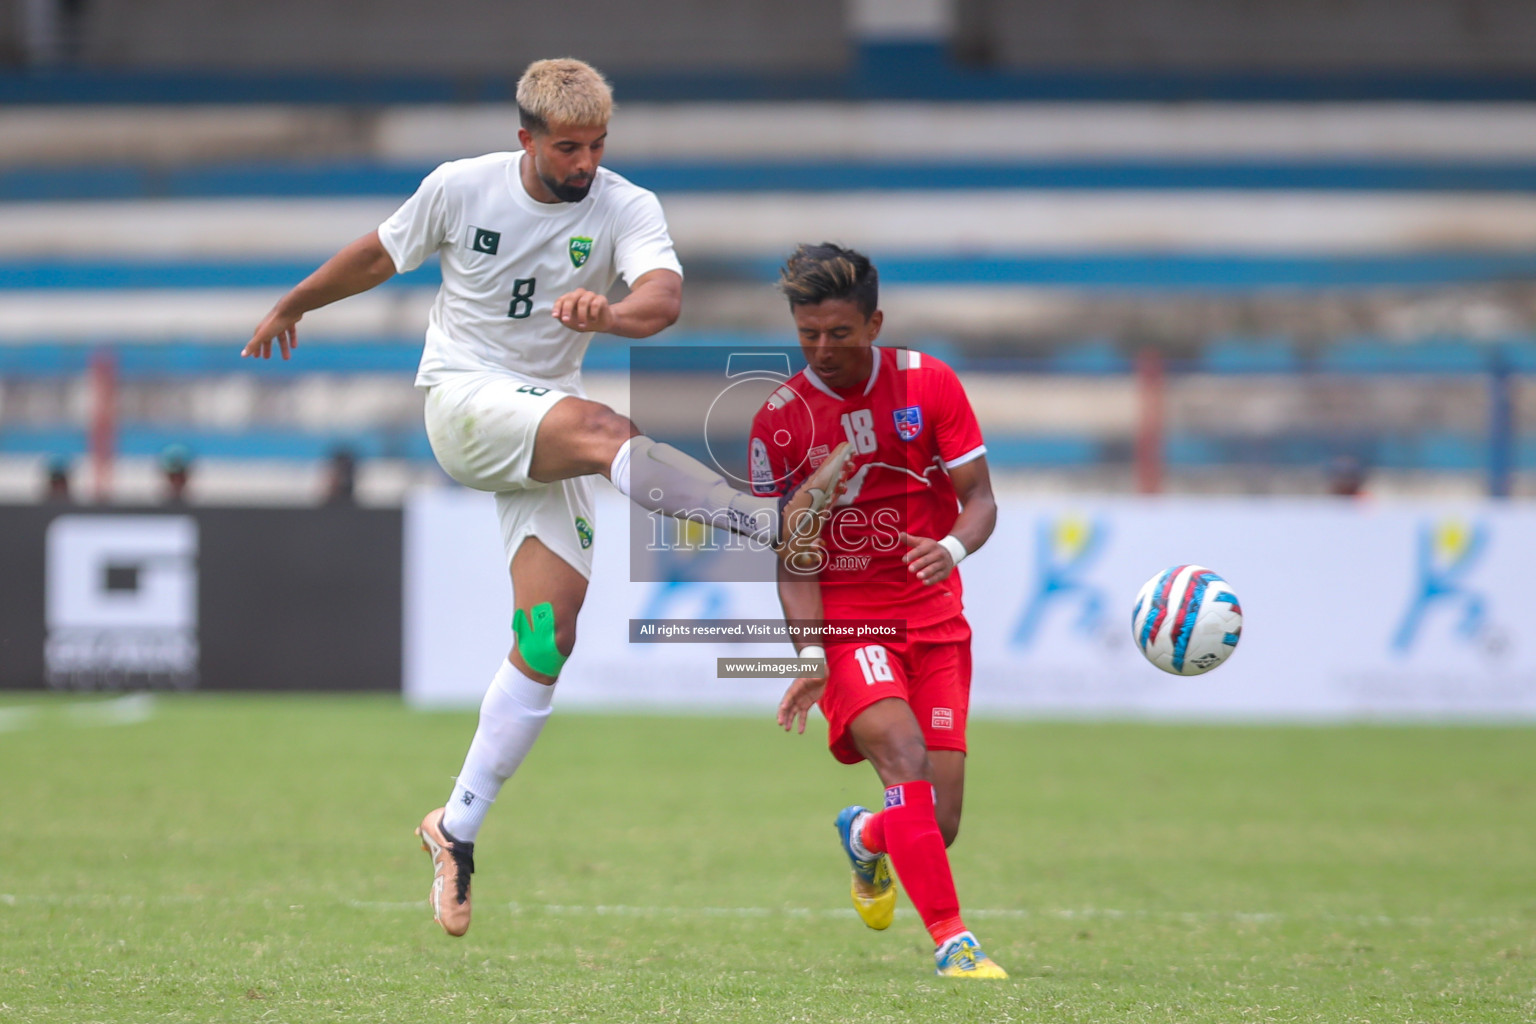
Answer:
(931, 671)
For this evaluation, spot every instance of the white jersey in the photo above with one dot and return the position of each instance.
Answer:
(506, 258)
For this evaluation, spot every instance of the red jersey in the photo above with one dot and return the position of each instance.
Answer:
(909, 424)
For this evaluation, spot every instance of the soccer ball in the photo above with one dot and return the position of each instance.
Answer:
(1186, 620)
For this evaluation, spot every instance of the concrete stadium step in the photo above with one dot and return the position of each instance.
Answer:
(161, 136)
(768, 225)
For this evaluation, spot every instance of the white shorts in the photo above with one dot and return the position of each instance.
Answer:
(482, 426)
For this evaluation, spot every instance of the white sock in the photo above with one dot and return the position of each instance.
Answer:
(619, 471)
(661, 478)
(512, 715)
(948, 944)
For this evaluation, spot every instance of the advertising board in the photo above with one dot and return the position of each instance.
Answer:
(1352, 611)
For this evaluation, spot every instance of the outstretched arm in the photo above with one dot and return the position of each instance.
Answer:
(356, 268)
(652, 305)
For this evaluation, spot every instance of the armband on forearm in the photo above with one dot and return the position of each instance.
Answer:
(956, 549)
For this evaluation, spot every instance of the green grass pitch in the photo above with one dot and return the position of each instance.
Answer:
(251, 859)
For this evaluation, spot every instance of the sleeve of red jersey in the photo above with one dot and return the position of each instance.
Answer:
(765, 461)
(958, 433)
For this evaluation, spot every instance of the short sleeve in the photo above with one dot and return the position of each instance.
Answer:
(419, 227)
(643, 244)
(958, 433)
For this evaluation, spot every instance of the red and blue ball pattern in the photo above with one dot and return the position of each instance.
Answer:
(1187, 620)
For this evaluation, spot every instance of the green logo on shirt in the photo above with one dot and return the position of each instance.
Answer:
(580, 249)
(486, 241)
(584, 531)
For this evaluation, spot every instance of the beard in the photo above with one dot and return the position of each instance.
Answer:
(565, 192)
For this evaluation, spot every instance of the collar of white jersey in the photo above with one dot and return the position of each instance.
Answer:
(874, 374)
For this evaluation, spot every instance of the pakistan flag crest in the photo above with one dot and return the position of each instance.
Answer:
(580, 249)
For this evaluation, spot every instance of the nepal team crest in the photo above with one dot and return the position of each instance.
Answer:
(909, 422)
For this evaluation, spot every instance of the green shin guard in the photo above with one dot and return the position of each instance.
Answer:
(536, 639)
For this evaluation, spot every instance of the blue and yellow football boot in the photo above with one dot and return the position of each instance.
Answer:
(961, 957)
(873, 889)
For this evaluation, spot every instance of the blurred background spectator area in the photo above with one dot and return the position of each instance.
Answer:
(1171, 245)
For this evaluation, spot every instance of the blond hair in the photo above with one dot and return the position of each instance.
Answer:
(563, 91)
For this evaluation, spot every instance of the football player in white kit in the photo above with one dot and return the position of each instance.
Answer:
(530, 242)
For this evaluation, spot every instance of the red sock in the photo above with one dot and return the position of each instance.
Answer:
(873, 836)
(909, 831)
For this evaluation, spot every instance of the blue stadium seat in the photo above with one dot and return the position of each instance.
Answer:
(1236, 354)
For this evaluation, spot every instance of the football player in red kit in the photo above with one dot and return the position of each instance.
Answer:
(918, 501)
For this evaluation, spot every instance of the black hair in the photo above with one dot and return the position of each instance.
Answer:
(816, 273)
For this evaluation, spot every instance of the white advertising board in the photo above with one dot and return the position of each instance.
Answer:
(1351, 611)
